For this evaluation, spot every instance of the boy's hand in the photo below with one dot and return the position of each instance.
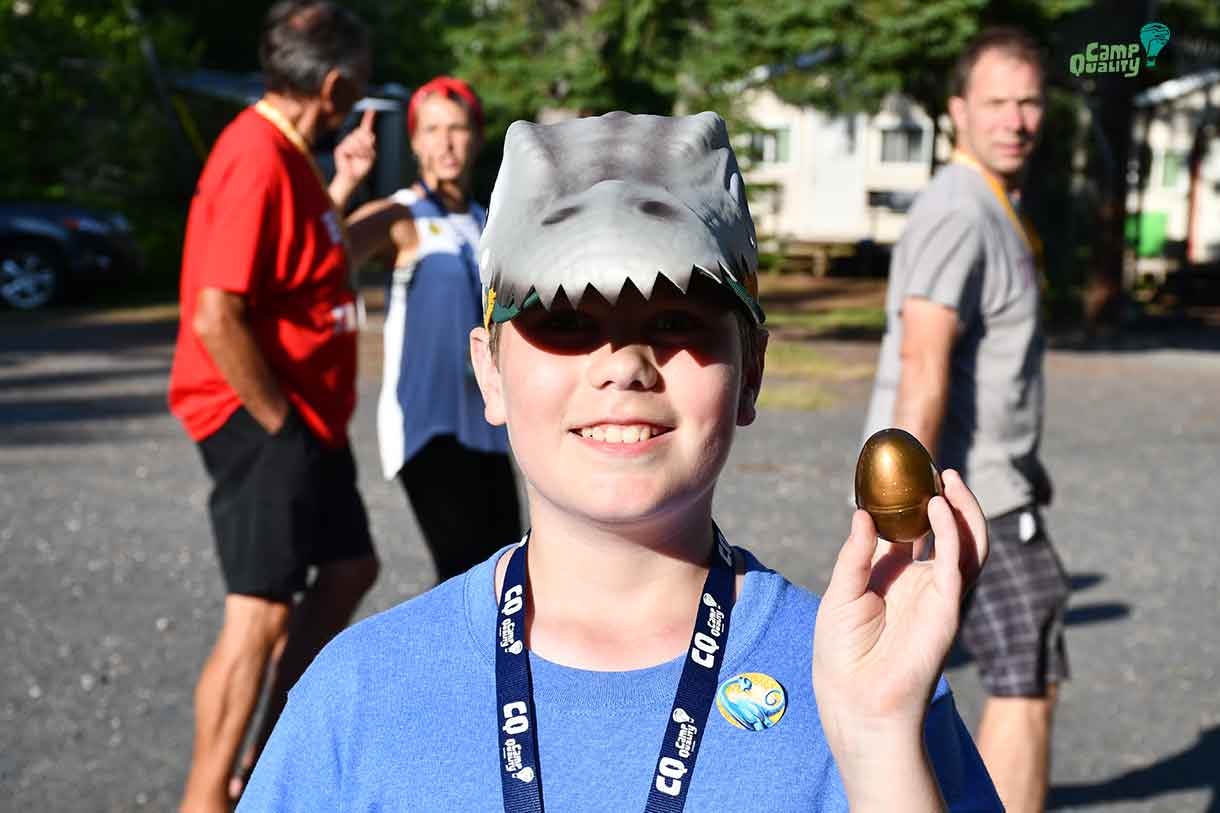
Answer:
(885, 626)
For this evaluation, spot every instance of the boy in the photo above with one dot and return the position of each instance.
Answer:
(622, 348)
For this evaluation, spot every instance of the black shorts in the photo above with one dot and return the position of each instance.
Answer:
(279, 504)
(1013, 619)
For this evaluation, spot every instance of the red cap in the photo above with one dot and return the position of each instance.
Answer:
(446, 85)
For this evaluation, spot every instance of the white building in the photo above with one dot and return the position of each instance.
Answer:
(825, 180)
(820, 182)
(1177, 215)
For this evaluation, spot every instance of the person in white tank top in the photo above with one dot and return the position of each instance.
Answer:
(432, 434)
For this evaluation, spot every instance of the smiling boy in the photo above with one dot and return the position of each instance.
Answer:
(622, 347)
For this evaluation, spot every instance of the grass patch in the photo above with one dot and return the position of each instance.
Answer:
(797, 376)
(792, 359)
(787, 394)
(829, 321)
(787, 359)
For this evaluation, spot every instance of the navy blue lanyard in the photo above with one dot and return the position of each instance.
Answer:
(520, 775)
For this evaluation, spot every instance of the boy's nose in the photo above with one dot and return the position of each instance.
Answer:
(626, 367)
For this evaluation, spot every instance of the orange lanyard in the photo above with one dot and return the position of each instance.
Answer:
(1019, 221)
(264, 109)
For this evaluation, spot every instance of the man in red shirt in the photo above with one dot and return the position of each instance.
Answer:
(264, 381)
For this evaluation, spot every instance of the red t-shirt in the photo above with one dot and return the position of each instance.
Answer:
(261, 225)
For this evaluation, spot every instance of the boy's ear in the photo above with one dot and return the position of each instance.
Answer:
(488, 375)
(751, 382)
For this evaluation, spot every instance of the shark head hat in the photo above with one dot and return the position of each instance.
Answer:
(602, 201)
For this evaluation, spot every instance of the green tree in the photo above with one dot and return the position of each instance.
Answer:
(1109, 101)
(410, 38)
(587, 57)
(83, 120)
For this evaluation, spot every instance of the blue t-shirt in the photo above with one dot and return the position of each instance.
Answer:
(428, 386)
(398, 713)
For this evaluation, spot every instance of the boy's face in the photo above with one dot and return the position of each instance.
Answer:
(621, 414)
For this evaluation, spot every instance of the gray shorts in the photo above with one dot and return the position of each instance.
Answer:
(1012, 623)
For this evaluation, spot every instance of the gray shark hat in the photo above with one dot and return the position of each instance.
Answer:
(619, 198)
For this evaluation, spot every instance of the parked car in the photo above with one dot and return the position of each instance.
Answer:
(51, 250)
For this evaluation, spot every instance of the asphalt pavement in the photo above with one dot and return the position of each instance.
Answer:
(110, 594)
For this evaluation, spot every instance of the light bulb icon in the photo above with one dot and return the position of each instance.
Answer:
(1154, 36)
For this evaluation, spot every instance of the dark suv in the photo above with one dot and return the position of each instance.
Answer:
(48, 249)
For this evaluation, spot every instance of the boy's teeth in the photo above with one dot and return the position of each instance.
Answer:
(614, 433)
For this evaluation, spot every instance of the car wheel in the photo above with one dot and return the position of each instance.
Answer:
(31, 275)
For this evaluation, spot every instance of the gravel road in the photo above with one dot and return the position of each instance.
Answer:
(110, 593)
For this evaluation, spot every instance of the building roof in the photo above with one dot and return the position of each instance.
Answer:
(1177, 88)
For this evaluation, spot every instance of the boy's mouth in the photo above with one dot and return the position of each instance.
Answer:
(622, 433)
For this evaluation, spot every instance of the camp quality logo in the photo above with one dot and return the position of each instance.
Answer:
(1121, 57)
(1155, 36)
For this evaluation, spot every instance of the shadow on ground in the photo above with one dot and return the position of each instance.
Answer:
(54, 406)
(22, 338)
(818, 298)
(1193, 768)
(1197, 329)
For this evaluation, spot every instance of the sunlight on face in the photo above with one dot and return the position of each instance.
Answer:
(998, 120)
(623, 414)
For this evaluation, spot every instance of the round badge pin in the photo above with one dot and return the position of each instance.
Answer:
(752, 701)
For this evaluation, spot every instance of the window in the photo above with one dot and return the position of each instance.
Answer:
(888, 199)
(771, 146)
(902, 145)
(1171, 169)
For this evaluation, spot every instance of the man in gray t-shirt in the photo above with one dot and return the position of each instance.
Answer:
(960, 252)
(961, 369)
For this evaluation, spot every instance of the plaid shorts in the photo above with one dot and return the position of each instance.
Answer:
(1012, 623)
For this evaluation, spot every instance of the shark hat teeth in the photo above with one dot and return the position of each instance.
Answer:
(601, 201)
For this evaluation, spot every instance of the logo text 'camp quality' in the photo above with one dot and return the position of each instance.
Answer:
(1120, 57)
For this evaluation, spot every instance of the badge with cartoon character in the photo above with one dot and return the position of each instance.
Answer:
(752, 701)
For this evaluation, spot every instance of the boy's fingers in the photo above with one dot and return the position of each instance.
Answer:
(971, 523)
(852, 569)
(366, 123)
(946, 562)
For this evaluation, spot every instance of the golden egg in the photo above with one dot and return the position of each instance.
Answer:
(895, 480)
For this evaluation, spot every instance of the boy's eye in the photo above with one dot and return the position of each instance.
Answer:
(560, 329)
(568, 322)
(676, 322)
